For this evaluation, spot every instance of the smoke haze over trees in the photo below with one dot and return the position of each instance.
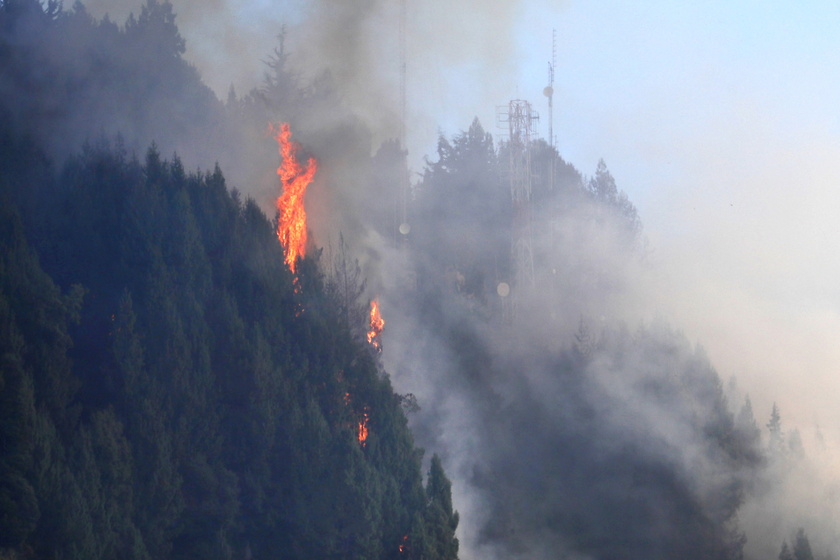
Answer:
(166, 391)
(170, 390)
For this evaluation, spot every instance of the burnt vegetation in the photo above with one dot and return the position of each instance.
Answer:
(169, 390)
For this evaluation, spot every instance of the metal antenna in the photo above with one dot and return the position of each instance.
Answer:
(403, 56)
(402, 213)
(549, 89)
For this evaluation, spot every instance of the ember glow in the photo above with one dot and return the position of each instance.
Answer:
(294, 178)
(377, 323)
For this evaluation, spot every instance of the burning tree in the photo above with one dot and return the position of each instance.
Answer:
(294, 178)
(377, 323)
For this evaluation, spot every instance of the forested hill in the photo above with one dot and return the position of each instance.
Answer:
(168, 393)
(167, 390)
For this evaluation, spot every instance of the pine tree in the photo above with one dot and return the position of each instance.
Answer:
(774, 426)
(441, 520)
(801, 546)
(197, 409)
(18, 505)
(745, 421)
(785, 553)
(795, 447)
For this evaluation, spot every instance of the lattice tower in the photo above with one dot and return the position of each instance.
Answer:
(520, 118)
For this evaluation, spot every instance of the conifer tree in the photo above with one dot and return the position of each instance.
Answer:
(801, 546)
(785, 553)
(441, 520)
(774, 427)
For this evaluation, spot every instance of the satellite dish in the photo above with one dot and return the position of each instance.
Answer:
(548, 91)
(503, 289)
(405, 228)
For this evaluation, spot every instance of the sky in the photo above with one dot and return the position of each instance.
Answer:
(719, 120)
(721, 124)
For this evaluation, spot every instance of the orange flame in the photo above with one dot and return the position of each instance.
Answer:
(362, 434)
(294, 178)
(404, 544)
(362, 429)
(377, 323)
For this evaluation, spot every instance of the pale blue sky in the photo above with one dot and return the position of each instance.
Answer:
(721, 121)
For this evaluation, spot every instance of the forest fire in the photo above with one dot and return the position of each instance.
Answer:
(294, 178)
(363, 431)
(377, 323)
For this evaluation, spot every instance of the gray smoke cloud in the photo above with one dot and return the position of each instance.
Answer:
(449, 48)
(566, 434)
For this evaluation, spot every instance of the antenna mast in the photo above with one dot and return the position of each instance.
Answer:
(402, 218)
(403, 57)
(549, 89)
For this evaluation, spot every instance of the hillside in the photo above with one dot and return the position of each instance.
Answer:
(168, 392)
(169, 388)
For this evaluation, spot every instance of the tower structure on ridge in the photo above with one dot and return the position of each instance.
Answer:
(548, 91)
(520, 118)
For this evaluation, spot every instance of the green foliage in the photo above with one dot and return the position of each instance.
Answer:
(196, 403)
(441, 521)
(69, 79)
(18, 505)
(462, 195)
(157, 20)
(211, 403)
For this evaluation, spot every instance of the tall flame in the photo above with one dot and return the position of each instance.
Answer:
(377, 323)
(294, 178)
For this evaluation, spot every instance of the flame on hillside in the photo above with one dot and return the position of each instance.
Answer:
(363, 431)
(377, 323)
(294, 178)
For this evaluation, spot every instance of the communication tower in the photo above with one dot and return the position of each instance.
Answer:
(403, 228)
(520, 118)
(548, 91)
(403, 56)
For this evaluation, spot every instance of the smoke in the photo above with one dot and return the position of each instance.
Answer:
(450, 47)
(587, 427)
(583, 446)
(352, 50)
(749, 249)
